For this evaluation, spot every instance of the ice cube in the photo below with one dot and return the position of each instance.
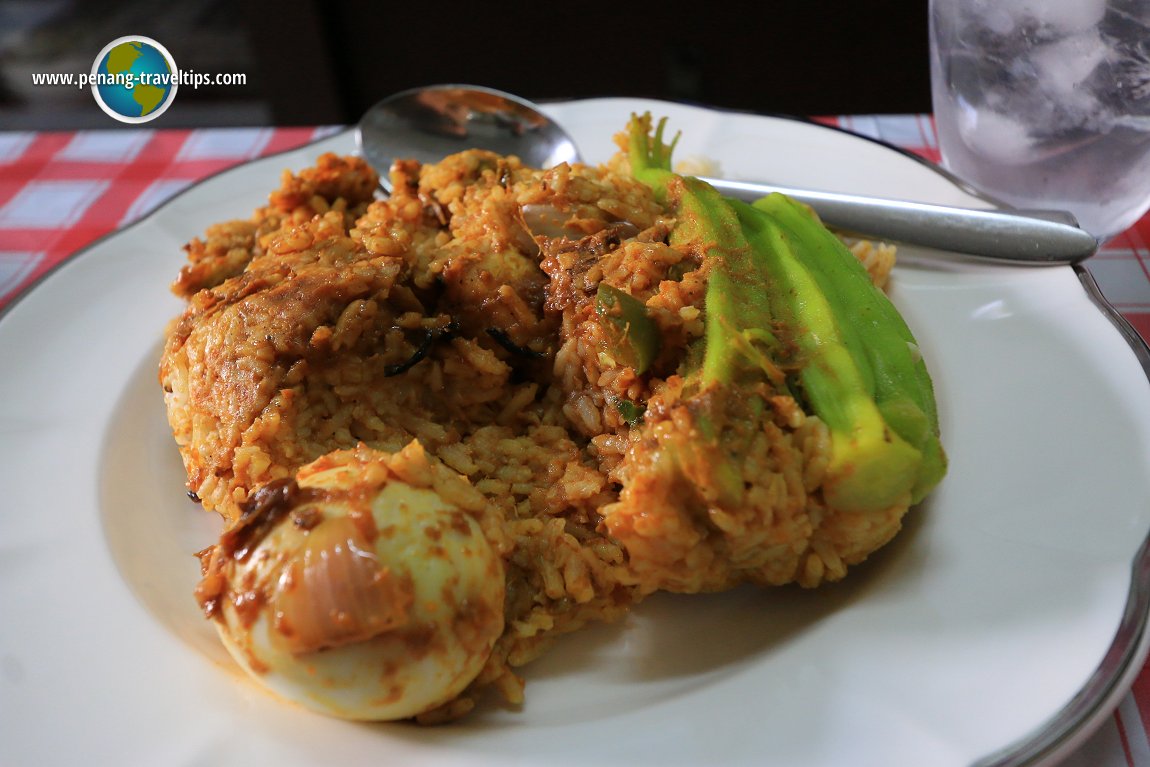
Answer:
(998, 20)
(1065, 64)
(1062, 68)
(1071, 16)
(996, 136)
(1054, 18)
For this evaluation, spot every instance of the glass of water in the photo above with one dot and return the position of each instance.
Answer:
(1046, 103)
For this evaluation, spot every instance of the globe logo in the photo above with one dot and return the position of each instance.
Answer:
(134, 79)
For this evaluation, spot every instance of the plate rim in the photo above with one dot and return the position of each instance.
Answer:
(1080, 716)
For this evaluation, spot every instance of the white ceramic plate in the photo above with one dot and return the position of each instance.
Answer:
(1000, 627)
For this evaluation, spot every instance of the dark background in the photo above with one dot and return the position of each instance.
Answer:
(312, 62)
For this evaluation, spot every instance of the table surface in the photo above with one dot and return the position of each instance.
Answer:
(59, 191)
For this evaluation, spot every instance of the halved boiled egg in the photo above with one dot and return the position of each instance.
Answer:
(363, 588)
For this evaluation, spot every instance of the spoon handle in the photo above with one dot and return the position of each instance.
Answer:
(1037, 237)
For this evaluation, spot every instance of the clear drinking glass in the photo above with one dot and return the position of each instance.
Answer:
(1046, 103)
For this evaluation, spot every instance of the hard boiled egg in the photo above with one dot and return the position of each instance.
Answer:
(360, 589)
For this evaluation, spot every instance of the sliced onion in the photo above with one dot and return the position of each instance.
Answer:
(335, 592)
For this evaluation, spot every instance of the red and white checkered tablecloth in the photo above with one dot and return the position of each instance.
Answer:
(60, 191)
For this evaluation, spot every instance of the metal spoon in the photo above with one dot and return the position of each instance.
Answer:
(429, 123)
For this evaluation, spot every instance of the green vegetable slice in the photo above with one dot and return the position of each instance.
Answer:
(633, 337)
(781, 296)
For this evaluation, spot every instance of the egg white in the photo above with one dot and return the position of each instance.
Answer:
(454, 583)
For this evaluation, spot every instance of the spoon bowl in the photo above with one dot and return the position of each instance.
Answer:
(432, 122)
